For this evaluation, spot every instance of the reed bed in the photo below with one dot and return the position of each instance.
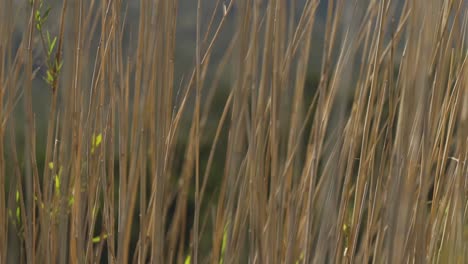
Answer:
(246, 159)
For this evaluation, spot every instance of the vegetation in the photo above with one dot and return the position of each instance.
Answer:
(249, 158)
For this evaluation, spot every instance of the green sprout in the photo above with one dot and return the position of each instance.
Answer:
(301, 257)
(56, 177)
(71, 201)
(53, 64)
(41, 18)
(224, 243)
(95, 141)
(17, 215)
(42, 204)
(98, 238)
(18, 209)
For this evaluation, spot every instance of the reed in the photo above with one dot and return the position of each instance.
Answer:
(107, 155)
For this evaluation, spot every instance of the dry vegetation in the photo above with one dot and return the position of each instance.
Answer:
(368, 165)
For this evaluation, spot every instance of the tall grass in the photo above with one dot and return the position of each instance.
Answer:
(369, 164)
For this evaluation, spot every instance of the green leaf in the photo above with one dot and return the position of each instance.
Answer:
(49, 79)
(59, 66)
(301, 257)
(95, 141)
(57, 184)
(17, 196)
(98, 238)
(98, 140)
(52, 45)
(187, 259)
(71, 201)
(35, 199)
(223, 245)
(46, 14)
(37, 16)
(51, 165)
